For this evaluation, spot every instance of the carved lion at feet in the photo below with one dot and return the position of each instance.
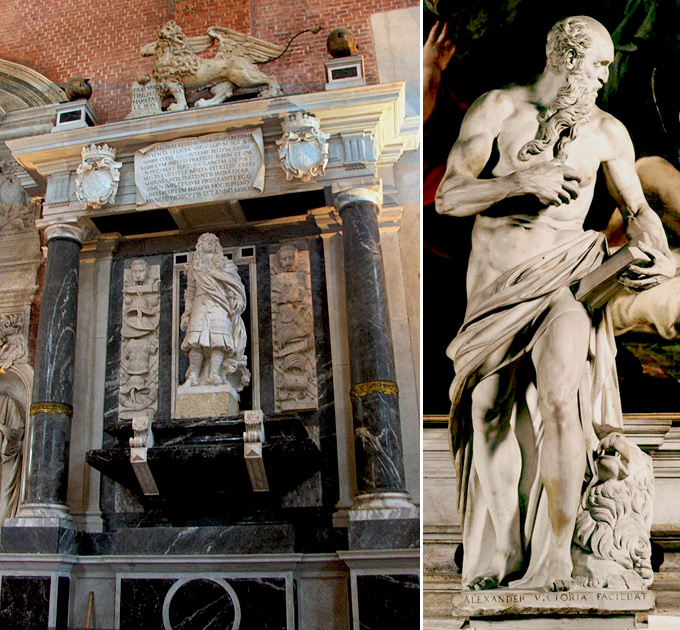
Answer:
(611, 546)
(178, 69)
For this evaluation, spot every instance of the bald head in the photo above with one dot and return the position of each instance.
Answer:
(570, 40)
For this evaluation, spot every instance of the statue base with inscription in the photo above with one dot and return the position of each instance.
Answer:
(499, 609)
(206, 402)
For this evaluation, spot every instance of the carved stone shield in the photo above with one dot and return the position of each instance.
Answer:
(303, 148)
(97, 176)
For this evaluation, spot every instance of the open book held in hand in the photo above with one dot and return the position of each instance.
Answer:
(602, 284)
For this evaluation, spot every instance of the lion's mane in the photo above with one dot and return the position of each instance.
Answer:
(615, 518)
(174, 57)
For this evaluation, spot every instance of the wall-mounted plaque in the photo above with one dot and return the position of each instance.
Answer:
(208, 168)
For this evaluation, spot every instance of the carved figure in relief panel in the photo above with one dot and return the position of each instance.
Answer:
(535, 370)
(17, 211)
(293, 331)
(139, 353)
(11, 440)
(13, 342)
(215, 337)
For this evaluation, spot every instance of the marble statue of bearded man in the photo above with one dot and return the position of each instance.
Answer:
(215, 337)
(534, 369)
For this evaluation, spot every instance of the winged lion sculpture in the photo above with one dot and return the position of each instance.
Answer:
(178, 68)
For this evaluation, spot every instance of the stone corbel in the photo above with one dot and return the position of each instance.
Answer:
(253, 437)
(140, 443)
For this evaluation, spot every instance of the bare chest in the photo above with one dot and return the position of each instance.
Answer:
(585, 153)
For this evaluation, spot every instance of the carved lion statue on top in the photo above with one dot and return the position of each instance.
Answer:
(178, 68)
(611, 547)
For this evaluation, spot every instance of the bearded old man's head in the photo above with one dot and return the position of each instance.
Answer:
(581, 49)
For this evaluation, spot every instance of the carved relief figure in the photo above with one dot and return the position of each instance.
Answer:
(11, 440)
(13, 342)
(293, 330)
(535, 370)
(138, 392)
(215, 337)
(17, 211)
(177, 68)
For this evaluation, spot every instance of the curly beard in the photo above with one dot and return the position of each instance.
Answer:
(562, 120)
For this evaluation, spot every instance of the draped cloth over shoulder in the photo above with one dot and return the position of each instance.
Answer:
(219, 299)
(505, 319)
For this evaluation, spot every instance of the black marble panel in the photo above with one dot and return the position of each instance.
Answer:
(24, 603)
(55, 355)
(63, 588)
(388, 601)
(403, 533)
(141, 603)
(204, 540)
(113, 342)
(200, 604)
(377, 443)
(165, 338)
(39, 540)
(262, 602)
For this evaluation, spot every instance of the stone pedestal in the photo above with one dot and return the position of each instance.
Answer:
(505, 609)
(382, 515)
(205, 402)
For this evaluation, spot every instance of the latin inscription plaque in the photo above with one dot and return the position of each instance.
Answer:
(202, 169)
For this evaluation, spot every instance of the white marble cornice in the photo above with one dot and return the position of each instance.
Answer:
(375, 113)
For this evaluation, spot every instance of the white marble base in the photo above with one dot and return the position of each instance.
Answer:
(534, 602)
(39, 521)
(206, 402)
(383, 506)
(557, 623)
(663, 622)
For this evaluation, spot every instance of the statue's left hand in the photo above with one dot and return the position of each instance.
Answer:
(660, 268)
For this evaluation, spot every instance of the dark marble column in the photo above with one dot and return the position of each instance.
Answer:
(374, 393)
(44, 496)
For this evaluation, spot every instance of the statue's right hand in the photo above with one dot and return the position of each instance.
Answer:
(184, 322)
(552, 182)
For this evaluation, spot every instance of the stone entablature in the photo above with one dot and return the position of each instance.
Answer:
(368, 128)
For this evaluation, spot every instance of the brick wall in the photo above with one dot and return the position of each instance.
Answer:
(101, 41)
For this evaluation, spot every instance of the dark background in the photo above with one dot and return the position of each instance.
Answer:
(503, 42)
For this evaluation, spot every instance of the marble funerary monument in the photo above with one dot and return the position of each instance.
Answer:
(214, 432)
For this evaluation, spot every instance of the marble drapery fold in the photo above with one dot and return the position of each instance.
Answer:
(507, 318)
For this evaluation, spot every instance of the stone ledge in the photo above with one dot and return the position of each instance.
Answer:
(534, 602)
